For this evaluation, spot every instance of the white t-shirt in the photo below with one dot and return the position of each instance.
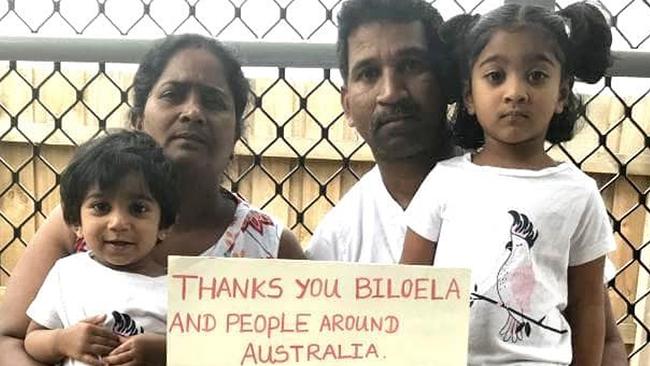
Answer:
(366, 226)
(77, 287)
(519, 231)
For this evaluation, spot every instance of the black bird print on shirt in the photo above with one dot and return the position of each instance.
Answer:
(124, 325)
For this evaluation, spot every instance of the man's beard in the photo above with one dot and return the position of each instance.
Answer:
(413, 151)
(415, 138)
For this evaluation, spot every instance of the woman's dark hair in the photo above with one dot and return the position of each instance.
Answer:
(155, 60)
(355, 13)
(581, 38)
(105, 161)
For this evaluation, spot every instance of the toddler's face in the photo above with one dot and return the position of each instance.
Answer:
(121, 226)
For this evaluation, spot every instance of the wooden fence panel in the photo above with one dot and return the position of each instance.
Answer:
(36, 180)
(642, 310)
(625, 198)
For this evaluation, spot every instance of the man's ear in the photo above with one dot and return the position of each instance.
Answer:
(467, 98)
(345, 103)
(563, 96)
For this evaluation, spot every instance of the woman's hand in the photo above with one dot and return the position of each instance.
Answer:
(53, 240)
(146, 349)
(289, 247)
(86, 341)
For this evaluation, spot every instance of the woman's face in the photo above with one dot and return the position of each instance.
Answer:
(190, 111)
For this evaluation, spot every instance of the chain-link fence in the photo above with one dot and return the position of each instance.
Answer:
(298, 156)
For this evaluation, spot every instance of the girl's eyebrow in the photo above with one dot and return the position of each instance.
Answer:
(541, 57)
(535, 57)
(95, 194)
(492, 58)
(140, 196)
(130, 196)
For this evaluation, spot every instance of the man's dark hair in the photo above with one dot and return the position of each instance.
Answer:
(355, 13)
(105, 162)
(156, 59)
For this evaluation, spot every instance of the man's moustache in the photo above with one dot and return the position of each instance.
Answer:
(398, 111)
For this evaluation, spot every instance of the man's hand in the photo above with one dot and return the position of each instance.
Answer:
(87, 341)
(146, 349)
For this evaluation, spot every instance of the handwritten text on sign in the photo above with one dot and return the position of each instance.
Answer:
(264, 312)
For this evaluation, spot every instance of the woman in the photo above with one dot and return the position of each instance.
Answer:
(190, 96)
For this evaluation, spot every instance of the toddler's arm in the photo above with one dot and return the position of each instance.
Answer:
(86, 341)
(586, 312)
(417, 250)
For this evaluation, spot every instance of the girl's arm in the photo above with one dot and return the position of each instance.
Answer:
(86, 341)
(586, 312)
(289, 246)
(614, 353)
(417, 250)
(52, 241)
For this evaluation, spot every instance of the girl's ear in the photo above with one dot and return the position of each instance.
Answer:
(137, 123)
(563, 96)
(162, 234)
(467, 98)
(77, 231)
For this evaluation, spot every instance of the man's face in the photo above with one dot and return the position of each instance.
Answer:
(392, 96)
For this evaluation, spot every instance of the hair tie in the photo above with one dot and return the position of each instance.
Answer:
(567, 25)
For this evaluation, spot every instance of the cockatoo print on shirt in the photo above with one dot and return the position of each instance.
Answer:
(516, 278)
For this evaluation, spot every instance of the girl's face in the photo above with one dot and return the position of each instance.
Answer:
(515, 89)
(121, 226)
(190, 111)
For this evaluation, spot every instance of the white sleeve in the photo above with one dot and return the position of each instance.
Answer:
(424, 213)
(323, 245)
(593, 237)
(320, 249)
(43, 309)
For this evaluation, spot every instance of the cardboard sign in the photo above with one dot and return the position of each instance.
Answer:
(235, 311)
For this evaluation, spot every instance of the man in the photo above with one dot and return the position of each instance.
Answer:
(393, 67)
(389, 56)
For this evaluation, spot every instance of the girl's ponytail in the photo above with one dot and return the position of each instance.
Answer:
(452, 33)
(453, 30)
(590, 39)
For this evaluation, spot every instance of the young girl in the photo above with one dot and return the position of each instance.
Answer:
(534, 231)
(118, 195)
